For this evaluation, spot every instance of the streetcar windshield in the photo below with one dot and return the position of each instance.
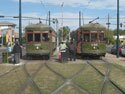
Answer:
(45, 37)
(37, 37)
(30, 37)
(94, 37)
(86, 37)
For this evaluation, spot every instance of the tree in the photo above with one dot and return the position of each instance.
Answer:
(63, 33)
(109, 37)
(121, 32)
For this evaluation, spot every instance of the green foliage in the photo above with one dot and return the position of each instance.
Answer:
(109, 37)
(121, 32)
(23, 40)
(63, 32)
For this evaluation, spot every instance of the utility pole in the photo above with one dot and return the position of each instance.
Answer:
(82, 19)
(57, 31)
(62, 18)
(20, 23)
(79, 18)
(49, 19)
(108, 24)
(117, 42)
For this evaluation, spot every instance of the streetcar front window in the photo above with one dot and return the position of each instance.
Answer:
(86, 37)
(45, 37)
(94, 37)
(30, 37)
(37, 37)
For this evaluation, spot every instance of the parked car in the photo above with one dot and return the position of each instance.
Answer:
(114, 49)
(123, 50)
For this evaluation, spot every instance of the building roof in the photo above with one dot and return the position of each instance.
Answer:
(7, 24)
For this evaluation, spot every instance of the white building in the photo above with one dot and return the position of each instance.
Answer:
(7, 31)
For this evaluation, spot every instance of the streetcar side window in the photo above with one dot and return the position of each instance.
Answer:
(94, 37)
(86, 37)
(37, 37)
(45, 37)
(30, 37)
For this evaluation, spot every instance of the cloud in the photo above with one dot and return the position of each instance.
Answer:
(92, 4)
(72, 23)
(66, 22)
(69, 19)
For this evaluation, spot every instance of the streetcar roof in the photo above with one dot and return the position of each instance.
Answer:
(38, 27)
(92, 27)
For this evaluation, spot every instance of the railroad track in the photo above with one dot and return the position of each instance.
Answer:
(30, 80)
(66, 81)
(105, 75)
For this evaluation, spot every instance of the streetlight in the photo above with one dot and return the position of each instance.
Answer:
(117, 41)
(62, 18)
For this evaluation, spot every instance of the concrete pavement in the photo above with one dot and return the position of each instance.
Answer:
(113, 59)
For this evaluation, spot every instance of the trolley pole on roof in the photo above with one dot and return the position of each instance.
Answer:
(20, 23)
(93, 20)
(117, 41)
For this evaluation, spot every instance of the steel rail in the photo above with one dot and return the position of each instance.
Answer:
(29, 80)
(32, 82)
(80, 88)
(54, 71)
(106, 76)
(7, 72)
(104, 82)
(113, 83)
(67, 81)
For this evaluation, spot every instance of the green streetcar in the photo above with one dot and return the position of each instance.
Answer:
(40, 40)
(90, 40)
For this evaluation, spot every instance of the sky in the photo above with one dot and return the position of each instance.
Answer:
(66, 11)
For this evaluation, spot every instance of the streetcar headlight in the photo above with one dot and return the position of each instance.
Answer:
(94, 47)
(37, 47)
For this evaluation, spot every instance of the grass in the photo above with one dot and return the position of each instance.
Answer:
(47, 81)
(70, 90)
(32, 67)
(5, 68)
(11, 82)
(90, 80)
(67, 70)
(110, 89)
(29, 90)
(117, 75)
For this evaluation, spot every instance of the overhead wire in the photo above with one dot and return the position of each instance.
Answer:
(87, 4)
(41, 1)
(84, 11)
(36, 18)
